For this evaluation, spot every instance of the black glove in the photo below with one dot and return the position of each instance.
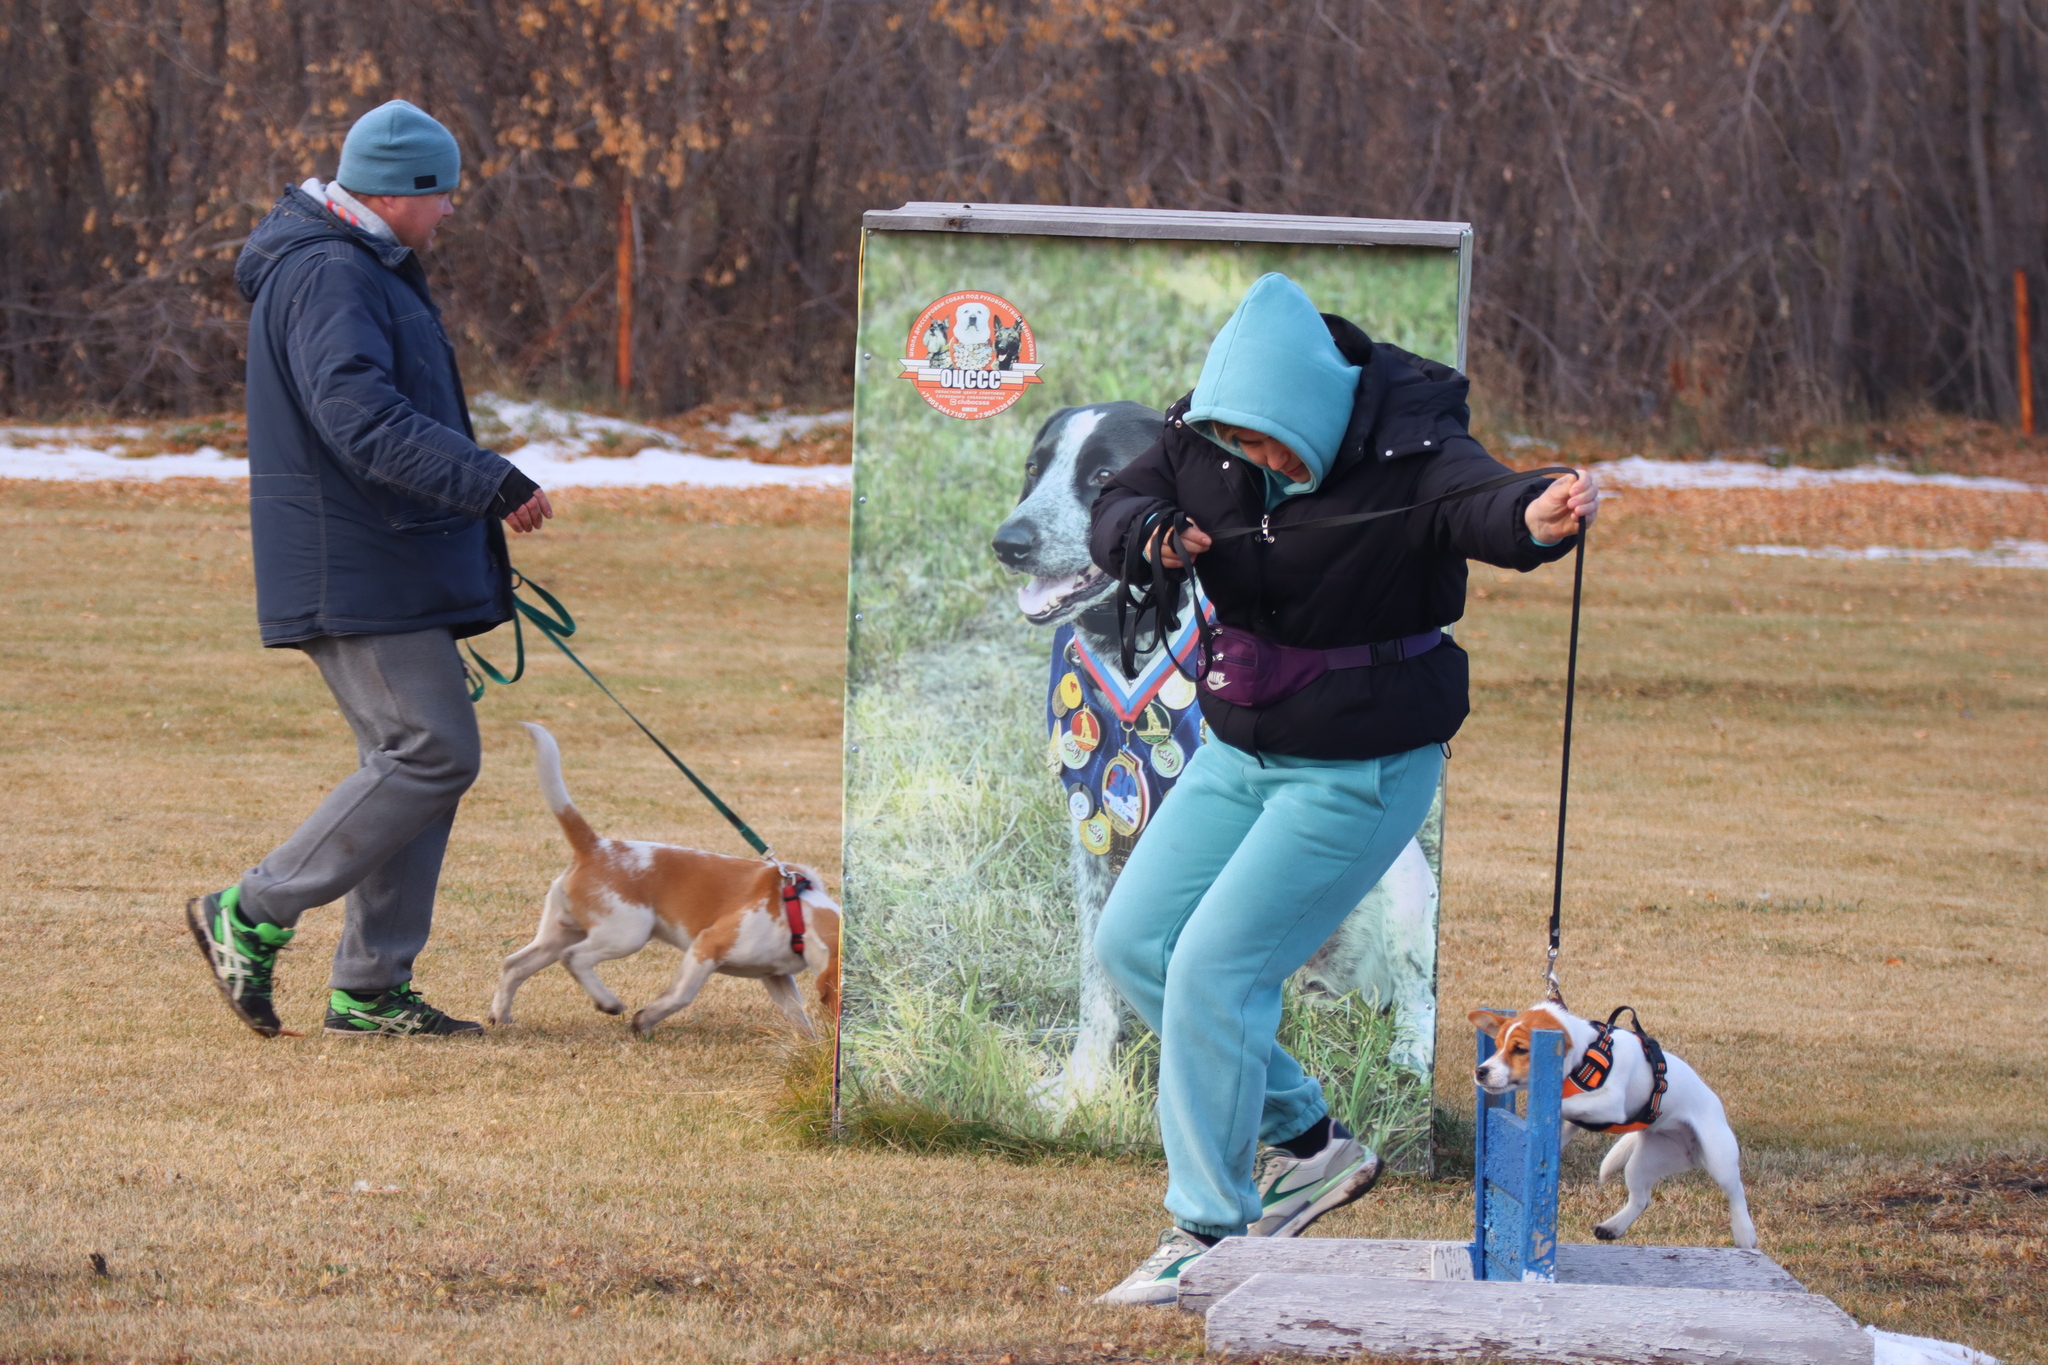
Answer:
(514, 493)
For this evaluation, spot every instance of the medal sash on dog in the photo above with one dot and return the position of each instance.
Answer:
(1117, 747)
(1592, 1073)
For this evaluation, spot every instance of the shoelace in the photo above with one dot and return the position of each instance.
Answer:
(1267, 1160)
(428, 1015)
(251, 963)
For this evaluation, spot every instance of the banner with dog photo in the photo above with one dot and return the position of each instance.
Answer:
(1001, 763)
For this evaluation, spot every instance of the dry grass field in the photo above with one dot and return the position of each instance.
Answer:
(1807, 844)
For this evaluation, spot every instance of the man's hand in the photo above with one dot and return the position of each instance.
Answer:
(1564, 507)
(1195, 538)
(528, 517)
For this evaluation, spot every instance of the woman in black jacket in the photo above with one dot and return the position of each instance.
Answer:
(1332, 744)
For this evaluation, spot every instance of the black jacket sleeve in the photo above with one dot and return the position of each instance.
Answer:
(343, 359)
(1488, 527)
(1144, 485)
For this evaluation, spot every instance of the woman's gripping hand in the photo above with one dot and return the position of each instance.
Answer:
(1193, 537)
(1563, 508)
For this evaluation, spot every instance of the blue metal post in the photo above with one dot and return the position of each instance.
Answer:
(1540, 1155)
(1515, 1161)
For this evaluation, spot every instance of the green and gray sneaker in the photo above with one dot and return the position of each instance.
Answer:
(1157, 1278)
(242, 955)
(397, 1013)
(1295, 1191)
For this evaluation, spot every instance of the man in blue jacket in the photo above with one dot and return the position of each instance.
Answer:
(374, 516)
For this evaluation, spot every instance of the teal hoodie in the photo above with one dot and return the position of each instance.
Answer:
(1274, 368)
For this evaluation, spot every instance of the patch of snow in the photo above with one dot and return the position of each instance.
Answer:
(2003, 554)
(1638, 471)
(72, 460)
(772, 429)
(551, 467)
(544, 421)
(1896, 1348)
(563, 448)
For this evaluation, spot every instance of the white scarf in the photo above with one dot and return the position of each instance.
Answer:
(348, 208)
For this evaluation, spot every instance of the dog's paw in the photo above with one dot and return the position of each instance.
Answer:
(616, 1007)
(1605, 1233)
(641, 1028)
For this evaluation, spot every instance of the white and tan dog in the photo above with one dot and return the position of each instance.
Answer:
(726, 914)
(1687, 1127)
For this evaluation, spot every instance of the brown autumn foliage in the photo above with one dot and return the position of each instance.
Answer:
(1707, 218)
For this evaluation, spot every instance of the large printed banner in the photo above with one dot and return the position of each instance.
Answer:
(1001, 764)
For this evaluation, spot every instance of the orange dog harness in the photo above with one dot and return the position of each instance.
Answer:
(1598, 1064)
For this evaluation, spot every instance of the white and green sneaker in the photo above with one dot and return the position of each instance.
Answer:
(1157, 1278)
(1295, 1191)
(242, 954)
(396, 1013)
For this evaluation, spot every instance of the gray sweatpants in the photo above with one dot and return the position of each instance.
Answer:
(379, 836)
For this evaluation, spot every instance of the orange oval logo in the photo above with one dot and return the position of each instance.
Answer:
(970, 354)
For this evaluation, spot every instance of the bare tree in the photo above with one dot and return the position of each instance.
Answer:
(1715, 216)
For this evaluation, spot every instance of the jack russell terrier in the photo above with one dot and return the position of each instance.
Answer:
(1622, 1082)
(739, 916)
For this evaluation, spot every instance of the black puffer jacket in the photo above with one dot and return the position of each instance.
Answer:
(1348, 585)
(372, 508)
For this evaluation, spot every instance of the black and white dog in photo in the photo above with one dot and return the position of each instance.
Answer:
(1385, 951)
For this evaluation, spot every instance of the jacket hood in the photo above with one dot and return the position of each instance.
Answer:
(1276, 369)
(297, 220)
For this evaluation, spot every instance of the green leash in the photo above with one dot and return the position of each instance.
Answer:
(557, 628)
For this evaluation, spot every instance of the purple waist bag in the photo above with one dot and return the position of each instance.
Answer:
(1244, 670)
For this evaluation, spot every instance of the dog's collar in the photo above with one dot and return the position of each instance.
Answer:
(1598, 1064)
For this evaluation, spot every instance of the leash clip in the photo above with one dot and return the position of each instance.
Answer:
(1266, 529)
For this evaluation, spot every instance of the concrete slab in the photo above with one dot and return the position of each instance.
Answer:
(1237, 1259)
(1568, 1324)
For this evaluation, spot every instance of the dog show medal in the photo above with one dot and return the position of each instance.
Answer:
(1126, 800)
(1168, 760)
(1095, 835)
(1080, 805)
(1067, 695)
(970, 354)
(1085, 730)
(1070, 751)
(1177, 691)
(1155, 724)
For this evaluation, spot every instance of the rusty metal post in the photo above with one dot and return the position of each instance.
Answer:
(625, 277)
(2023, 373)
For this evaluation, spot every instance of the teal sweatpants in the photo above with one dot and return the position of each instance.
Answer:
(1247, 868)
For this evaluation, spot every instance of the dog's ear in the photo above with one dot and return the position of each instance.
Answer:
(1487, 1022)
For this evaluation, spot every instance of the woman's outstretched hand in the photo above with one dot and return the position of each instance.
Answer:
(1564, 507)
(1194, 537)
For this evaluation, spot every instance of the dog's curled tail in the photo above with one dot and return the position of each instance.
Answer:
(1618, 1155)
(547, 761)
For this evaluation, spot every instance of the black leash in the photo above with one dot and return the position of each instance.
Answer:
(1564, 780)
(557, 628)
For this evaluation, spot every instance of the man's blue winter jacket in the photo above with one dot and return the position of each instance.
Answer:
(369, 499)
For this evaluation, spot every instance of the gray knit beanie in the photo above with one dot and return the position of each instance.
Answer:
(398, 148)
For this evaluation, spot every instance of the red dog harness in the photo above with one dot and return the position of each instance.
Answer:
(793, 909)
(1592, 1072)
